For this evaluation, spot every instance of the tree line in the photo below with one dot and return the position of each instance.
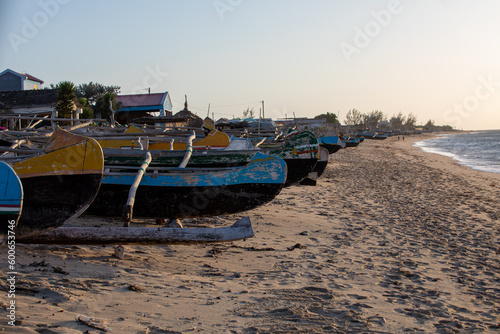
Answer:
(356, 118)
(398, 121)
(93, 98)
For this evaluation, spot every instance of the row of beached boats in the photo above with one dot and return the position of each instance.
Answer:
(49, 177)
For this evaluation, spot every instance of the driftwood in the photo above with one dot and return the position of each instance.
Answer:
(242, 229)
(41, 133)
(32, 125)
(15, 145)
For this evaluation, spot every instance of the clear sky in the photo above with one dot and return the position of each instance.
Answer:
(438, 59)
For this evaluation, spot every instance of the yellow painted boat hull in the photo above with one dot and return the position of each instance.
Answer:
(60, 184)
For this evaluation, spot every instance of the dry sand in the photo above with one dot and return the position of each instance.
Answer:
(391, 240)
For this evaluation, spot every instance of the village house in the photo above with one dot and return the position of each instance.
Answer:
(183, 118)
(136, 106)
(17, 107)
(11, 81)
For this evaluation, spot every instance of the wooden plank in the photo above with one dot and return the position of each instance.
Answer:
(242, 229)
(15, 145)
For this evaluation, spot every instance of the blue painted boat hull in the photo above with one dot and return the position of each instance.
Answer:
(183, 202)
(187, 193)
(331, 143)
(11, 200)
(351, 142)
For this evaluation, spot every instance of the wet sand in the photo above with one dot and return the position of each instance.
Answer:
(391, 240)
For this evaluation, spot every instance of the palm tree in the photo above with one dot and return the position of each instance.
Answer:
(65, 99)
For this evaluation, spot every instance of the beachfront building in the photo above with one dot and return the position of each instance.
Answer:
(17, 106)
(183, 118)
(12, 81)
(138, 106)
(22, 103)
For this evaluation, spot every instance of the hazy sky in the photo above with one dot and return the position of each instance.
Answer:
(438, 59)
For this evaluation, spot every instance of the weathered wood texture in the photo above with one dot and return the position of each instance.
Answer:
(242, 229)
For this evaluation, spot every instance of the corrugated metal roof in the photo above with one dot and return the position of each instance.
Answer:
(141, 100)
(32, 78)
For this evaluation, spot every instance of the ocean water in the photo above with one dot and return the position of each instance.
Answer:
(478, 150)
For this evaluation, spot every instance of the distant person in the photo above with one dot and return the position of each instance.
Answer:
(403, 138)
(398, 137)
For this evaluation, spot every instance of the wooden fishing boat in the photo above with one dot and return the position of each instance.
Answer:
(322, 161)
(380, 136)
(213, 139)
(319, 169)
(351, 141)
(11, 201)
(178, 193)
(300, 151)
(331, 143)
(123, 143)
(371, 135)
(59, 182)
(173, 158)
(363, 134)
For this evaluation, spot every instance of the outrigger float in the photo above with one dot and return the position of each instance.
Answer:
(242, 229)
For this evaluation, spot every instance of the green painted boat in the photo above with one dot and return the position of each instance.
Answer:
(299, 149)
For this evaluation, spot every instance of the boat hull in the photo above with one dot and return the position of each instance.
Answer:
(188, 193)
(299, 169)
(332, 148)
(49, 201)
(331, 143)
(183, 202)
(167, 158)
(59, 184)
(380, 137)
(318, 170)
(322, 162)
(11, 200)
(299, 151)
(351, 143)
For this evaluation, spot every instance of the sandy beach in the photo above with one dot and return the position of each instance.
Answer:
(391, 240)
